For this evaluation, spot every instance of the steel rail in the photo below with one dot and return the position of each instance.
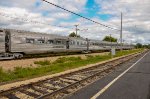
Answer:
(56, 91)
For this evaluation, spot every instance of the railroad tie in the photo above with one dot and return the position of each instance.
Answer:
(39, 90)
(29, 93)
(11, 96)
(47, 87)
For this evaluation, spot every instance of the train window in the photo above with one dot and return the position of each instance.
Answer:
(50, 41)
(29, 40)
(1, 30)
(41, 41)
(58, 42)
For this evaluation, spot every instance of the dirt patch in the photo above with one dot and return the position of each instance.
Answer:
(10, 65)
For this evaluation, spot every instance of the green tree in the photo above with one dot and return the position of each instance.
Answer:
(109, 39)
(138, 45)
(146, 46)
(73, 34)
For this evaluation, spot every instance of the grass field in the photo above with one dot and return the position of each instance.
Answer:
(61, 64)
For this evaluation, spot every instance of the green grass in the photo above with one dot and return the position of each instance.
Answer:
(61, 64)
(45, 62)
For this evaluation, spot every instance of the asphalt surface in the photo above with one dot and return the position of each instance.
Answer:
(135, 84)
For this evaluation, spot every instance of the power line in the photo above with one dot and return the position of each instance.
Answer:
(92, 27)
(80, 15)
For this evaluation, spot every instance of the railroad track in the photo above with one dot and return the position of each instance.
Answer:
(61, 86)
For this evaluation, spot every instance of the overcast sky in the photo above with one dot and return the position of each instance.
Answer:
(38, 16)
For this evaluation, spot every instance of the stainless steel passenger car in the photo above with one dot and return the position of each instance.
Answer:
(32, 43)
(2, 41)
(25, 42)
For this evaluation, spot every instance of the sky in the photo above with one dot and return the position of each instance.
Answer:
(38, 16)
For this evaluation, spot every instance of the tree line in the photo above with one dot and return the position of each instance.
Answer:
(106, 38)
(139, 45)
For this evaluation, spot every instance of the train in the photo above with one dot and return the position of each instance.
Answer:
(17, 43)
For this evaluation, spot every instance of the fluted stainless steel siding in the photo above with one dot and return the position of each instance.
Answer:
(2, 42)
(19, 44)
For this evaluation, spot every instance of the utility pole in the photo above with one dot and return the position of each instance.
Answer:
(110, 41)
(111, 47)
(121, 33)
(76, 29)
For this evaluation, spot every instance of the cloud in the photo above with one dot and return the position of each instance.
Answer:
(18, 15)
(136, 18)
(28, 4)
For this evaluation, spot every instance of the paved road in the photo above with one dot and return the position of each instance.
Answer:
(134, 84)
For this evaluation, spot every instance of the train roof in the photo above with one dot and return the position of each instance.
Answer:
(38, 33)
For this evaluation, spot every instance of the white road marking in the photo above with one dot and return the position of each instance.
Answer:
(112, 82)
